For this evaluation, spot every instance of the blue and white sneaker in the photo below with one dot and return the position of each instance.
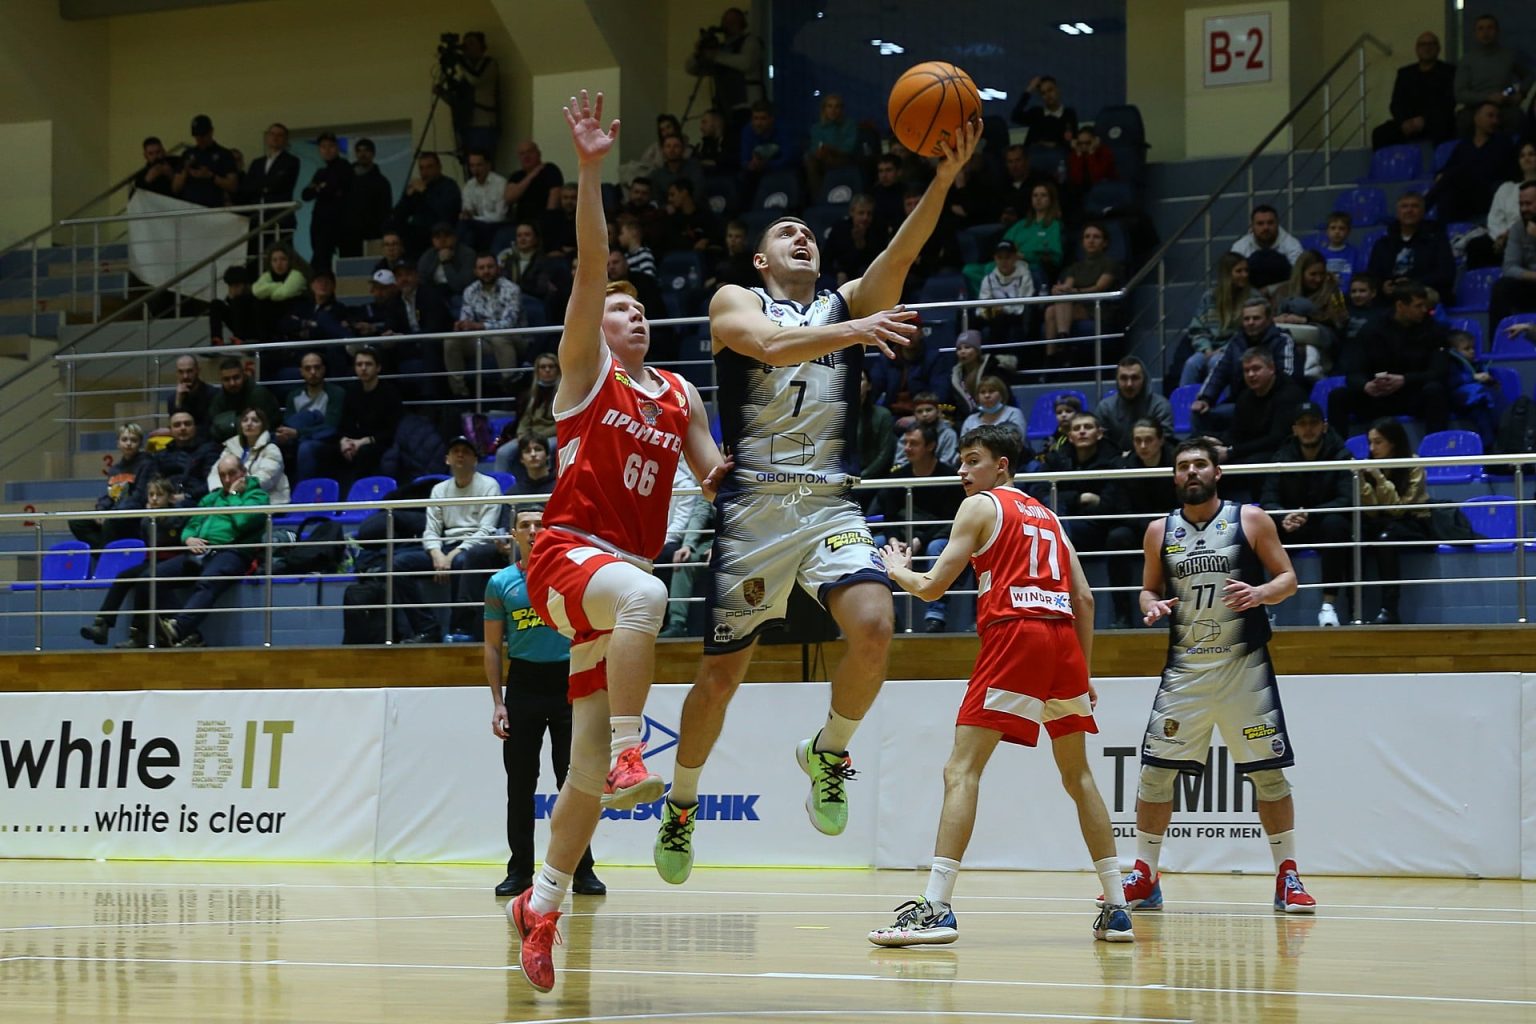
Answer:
(918, 923)
(1113, 925)
(1143, 890)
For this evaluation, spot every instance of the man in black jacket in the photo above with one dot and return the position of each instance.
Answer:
(1086, 452)
(1143, 498)
(1423, 99)
(1257, 330)
(1262, 414)
(1414, 249)
(933, 507)
(368, 417)
(1390, 370)
(185, 462)
(272, 177)
(368, 203)
(1301, 502)
(328, 190)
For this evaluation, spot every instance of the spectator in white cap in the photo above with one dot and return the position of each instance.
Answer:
(384, 314)
(1009, 278)
(492, 303)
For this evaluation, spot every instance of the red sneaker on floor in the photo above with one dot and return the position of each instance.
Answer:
(539, 935)
(630, 782)
(1290, 895)
(1143, 890)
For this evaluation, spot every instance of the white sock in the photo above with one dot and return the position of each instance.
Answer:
(685, 785)
(623, 733)
(941, 880)
(549, 888)
(1109, 877)
(1283, 846)
(836, 734)
(1148, 848)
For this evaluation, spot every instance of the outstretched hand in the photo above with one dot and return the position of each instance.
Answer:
(591, 140)
(710, 485)
(897, 555)
(957, 152)
(1157, 609)
(889, 327)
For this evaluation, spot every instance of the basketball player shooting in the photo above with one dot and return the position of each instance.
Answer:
(620, 428)
(788, 359)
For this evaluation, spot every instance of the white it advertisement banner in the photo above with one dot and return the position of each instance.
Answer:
(249, 775)
(159, 248)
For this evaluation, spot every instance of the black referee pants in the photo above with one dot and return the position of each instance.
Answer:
(536, 703)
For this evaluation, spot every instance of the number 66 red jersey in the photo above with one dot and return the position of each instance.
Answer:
(617, 453)
(1024, 570)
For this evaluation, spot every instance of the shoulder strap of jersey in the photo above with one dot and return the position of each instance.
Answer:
(997, 523)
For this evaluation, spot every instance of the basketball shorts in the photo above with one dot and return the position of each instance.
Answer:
(1030, 672)
(559, 571)
(1238, 696)
(767, 543)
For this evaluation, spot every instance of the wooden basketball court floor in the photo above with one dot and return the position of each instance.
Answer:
(378, 944)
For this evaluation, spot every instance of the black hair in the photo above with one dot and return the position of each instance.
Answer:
(151, 140)
(1199, 443)
(929, 431)
(1002, 442)
(773, 224)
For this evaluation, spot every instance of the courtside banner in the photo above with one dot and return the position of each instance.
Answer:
(1528, 775)
(250, 775)
(444, 788)
(1410, 774)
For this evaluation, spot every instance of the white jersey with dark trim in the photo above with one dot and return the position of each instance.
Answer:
(792, 429)
(1198, 559)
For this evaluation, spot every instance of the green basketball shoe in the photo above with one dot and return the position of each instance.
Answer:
(673, 851)
(826, 804)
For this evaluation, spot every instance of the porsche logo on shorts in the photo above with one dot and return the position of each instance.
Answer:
(842, 540)
(754, 590)
(1170, 727)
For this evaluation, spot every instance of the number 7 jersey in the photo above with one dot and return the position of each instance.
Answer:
(1023, 570)
(617, 453)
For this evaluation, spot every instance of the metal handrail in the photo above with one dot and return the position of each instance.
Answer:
(202, 211)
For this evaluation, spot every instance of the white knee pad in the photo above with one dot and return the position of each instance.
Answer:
(1270, 785)
(1156, 785)
(589, 745)
(623, 596)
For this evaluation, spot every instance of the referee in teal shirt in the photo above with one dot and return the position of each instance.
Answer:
(538, 668)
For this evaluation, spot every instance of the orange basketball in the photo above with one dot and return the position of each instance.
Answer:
(930, 103)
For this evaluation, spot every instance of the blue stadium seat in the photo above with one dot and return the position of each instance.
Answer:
(1182, 398)
(1395, 163)
(1492, 516)
(779, 191)
(117, 558)
(506, 480)
(315, 491)
(1042, 415)
(431, 478)
(1108, 197)
(1508, 349)
(1359, 446)
(840, 185)
(1323, 388)
(1471, 326)
(1365, 245)
(1443, 155)
(1451, 442)
(1366, 206)
(368, 488)
(719, 196)
(978, 242)
(66, 563)
(1508, 390)
(1474, 290)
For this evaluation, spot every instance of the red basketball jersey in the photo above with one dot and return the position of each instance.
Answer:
(1024, 570)
(617, 453)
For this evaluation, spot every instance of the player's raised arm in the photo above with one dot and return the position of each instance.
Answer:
(1153, 607)
(699, 446)
(736, 322)
(581, 344)
(1241, 595)
(880, 287)
(973, 527)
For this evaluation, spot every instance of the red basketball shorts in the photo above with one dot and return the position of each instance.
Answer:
(559, 570)
(1030, 672)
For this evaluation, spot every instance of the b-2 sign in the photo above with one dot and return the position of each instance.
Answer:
(1237, 50)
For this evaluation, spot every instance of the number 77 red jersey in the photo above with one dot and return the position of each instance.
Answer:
(617, 453)
(1024, 570)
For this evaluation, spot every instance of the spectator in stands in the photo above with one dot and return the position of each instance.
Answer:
(159, 171)
(1414, 251)
(1423, 99)
(925, 410)
(972, 366)
(1401, 510)
(1038, 233)
(1217, 318)
(157, 532)
(1311, 309)
(645, 285)
(535, 412)
(193, 395)
(1088, 163)
(311, 420)
(640, 204)
(127, 484)
(1052, 123)
(369, 201)
(492, 303)
(675, 164)
(1465, 186)
(1472, 390)
(485, 202)
(686, 550)
(1008, 279)
(889, 192)
(381, 316)
(185, 462)
(897, 381)
(940, 252)
(1262, 414)
(877, 438)
(834, 141)
(735, 267)
(715, 152)
(1390, 370)
(1486, 249)
(1338, 255)
(425, 305)
(971, 195)
(1365, 305)
(1085, 452)
(560, 224)
(459, 539)
(475, 96)
(1489, 73)
(1515, 291)
(285, 281)
(392, 246)
(533, 187)
(765, 146)
(321, 316)
(1257, 329)
(667, 127)
(1270, 249)
(1096, 271)
(368, 417)
(449, 263)
(637, 254)
(525, 265)
(259, 454)
(534, 475)
(219, 549)
(1308, 506)
(1012, 199)
(1064, 408)
(1146, 497)
(855, 241)
(207, 175)
(933, 508)
(430, 200)
(273, 176)
(733, 58)
(994, 408)
(238, 391)
(687, 226)
(1133, 399)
